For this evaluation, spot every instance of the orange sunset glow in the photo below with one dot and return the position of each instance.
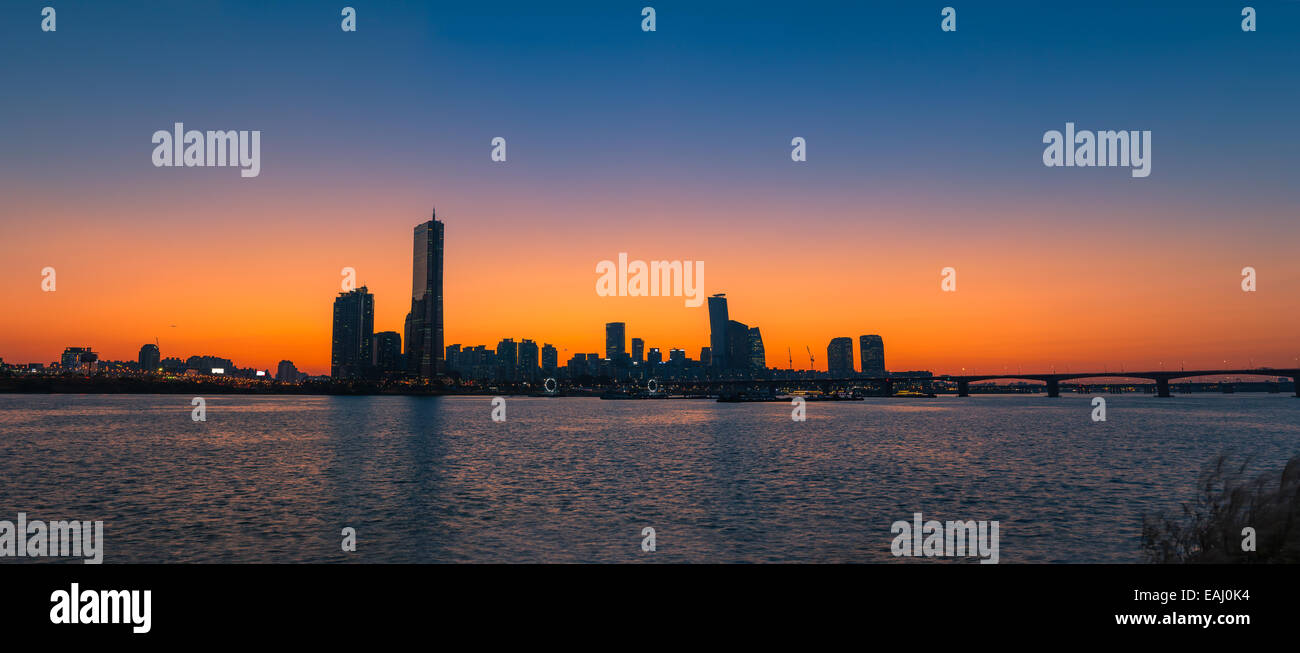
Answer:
(254, 281)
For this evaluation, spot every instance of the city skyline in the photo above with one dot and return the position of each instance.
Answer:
(742, 344)
(356, 346)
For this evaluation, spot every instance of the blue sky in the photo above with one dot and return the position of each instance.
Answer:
(711, 98)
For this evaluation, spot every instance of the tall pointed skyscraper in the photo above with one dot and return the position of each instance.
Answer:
(718, 334)
(424, 350)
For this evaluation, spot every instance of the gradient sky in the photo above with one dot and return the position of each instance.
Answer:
(924, 152)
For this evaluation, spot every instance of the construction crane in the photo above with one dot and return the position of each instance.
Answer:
(789, 357)
(812, 361)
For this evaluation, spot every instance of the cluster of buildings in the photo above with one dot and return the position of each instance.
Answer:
(511, 362)
(357, 352)
(515, 362)
(85, 361)
(735, 352)
(839, 357)
(735, 349)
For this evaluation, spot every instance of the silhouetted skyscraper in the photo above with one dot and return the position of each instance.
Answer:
(475, 362)
(872, 350)
(615, 340)
(528, 360)
(638, 349)
(386, 351)
(550, 360)
(507, 359)
(839, 357)
(150, 358)
(354, 325)
(737, 347)
(757, 356)
(424, 345)
(654, 357)
(718, 333)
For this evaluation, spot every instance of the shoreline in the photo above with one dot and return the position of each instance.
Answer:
(127, 385)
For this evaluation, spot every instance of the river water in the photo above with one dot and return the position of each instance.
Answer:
(435, 479)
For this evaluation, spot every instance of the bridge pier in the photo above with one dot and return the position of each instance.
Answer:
(1053, 387)
(963, 389)
(1162, 388)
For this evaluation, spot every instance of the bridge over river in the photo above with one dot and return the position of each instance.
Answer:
(1051, 379)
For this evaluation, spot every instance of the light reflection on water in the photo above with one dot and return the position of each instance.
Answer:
(275, 479)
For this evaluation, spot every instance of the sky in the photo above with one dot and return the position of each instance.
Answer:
(924, 151)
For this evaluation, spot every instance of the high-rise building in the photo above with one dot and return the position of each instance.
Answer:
(550, 360)
(839, 357)
(654, 357)
(507, 360)
(287, 372)
(737, 347)
(718, 333)
(577, 366)
(424, 345)
(706, 357)
(872, 350)
(473, 362)
(78, 358)
(453, 358)
(386, 351)
(615, 340)
(150, 358)
(757, 356)
(638, 350)
(528, 360)
(354, 325)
